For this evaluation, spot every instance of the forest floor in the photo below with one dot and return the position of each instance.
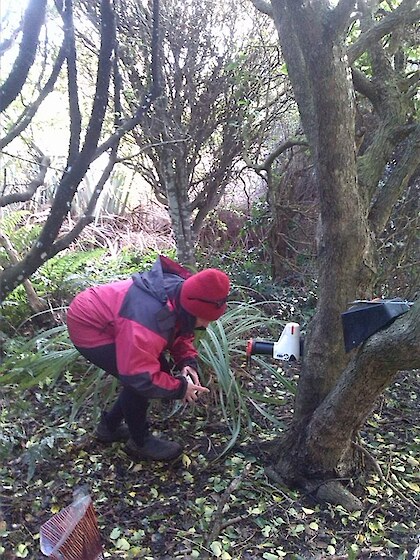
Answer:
(203, 506)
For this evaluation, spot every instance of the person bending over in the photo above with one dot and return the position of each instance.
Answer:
(127, 327)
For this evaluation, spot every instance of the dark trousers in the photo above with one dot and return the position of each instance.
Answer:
(129, 406)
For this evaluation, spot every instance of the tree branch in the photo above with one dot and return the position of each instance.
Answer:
(7, 43)
(217, 520)
(43, 249)
(263, 7)
(33, 20)
(26, 117)
(72, 85)
(281, 148)
(396, 183)
(127, 125)
(102, 180)
(339, 17)
(366, 87)
(66, 240)
(404, 14)
(371, 370)
(149, 97)
(47, 244)
(32, 187)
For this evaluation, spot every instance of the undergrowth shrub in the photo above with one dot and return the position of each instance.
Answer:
(66, 274)
(48, 362)
(43, 360)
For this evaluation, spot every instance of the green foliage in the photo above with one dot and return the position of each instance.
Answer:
(223, 351)
(61, 277)
(45, 360)
(66, 272)
(49, 356)
(20, 231)
(10, 222)
(39, 361)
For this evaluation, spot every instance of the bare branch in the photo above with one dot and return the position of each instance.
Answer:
(406, 13)
(7, 43)
(396, 183)
(26, 117)
(47, 244)
(102, 180)
(127, 125)
(263, 7)
(72, 85)
(66, 240)
(43, 249)
(32, 187)
(33, 20)
(148, 98)
(282, 147)
(363, 85)
(339, 18)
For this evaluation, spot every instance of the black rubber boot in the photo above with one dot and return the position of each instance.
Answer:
(154, 449)
(104, 434)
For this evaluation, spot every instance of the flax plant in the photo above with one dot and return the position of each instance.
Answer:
(49, 357)
(223, 349)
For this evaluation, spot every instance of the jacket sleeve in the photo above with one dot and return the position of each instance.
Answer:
(184, 352)
(138, 350)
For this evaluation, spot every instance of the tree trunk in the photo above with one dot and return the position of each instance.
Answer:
(322, 447)
(336, 391)
(179, 207)
(32, 23)
(344, 249)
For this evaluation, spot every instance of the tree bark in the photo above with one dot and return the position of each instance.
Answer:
(344, 248)
(179, 208)
(33, 20)
(337, 391)
(309, 452)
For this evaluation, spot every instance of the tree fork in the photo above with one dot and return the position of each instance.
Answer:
(314, 452)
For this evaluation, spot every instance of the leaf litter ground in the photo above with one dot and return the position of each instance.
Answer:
(201, 506)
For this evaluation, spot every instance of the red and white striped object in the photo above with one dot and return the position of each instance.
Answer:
(72, 533)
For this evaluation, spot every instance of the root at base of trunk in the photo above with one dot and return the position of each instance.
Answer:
(334, 493)
(331, 491)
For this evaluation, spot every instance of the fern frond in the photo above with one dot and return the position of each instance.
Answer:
(10, 222)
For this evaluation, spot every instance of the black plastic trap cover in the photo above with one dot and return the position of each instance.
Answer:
(365, 318)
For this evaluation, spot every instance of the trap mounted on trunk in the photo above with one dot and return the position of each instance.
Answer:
(365, 318)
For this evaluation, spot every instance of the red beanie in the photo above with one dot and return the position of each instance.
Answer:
(205, 293)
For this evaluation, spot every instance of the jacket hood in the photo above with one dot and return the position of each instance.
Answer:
(162, 280)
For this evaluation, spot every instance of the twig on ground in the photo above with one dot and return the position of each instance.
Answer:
(381, 475)
(218, 523)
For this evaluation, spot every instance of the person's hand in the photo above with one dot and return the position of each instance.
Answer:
(194, 387)
(189, 371)
(193, 392)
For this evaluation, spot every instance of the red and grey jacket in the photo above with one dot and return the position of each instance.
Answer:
(140, 316)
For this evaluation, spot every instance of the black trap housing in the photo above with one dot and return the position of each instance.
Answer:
(365, 318)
